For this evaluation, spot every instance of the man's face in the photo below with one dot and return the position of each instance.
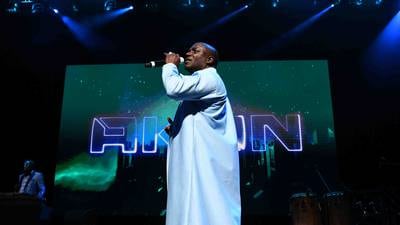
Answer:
(196, 58)
(27, 166)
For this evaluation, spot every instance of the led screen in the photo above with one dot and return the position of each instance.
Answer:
(112, 146)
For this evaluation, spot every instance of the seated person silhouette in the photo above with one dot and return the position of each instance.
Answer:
(31, 182)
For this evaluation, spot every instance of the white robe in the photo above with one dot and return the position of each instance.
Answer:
(202, 160)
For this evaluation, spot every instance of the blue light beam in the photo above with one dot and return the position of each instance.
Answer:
(288, 36)
(217, 23)
(382, 59)
(85, 35)
(224, 19)
(101, 20)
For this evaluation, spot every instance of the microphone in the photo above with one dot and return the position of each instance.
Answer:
(159, 63)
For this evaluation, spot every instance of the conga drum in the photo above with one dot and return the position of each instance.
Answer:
(305, 209)
(336, 209)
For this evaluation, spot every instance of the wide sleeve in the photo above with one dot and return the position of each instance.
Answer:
(195, 87)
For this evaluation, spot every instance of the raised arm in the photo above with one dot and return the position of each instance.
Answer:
(200, 85)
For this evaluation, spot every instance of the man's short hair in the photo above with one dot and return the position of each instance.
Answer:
(29, 162)
(213, 51)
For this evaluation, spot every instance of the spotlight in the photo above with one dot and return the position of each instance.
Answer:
(75, 8)
(275, 3)
(109, 5)
(55, 11)
(37, 8)
(336, 2)
(14, 8)
(25, 6)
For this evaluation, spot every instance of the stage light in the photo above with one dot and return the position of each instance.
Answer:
(28, 7)
(130, 7)
(275, 3)
(14, 8)
(109, 5)
(37, 8)
(336, 2)
(366, 3)
(75, 8)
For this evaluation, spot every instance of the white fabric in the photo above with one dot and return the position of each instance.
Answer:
(202, 160)
(23, 184)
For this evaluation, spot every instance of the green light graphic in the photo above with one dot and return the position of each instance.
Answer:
(88, 173)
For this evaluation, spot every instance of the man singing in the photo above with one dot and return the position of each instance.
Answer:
(202, 160)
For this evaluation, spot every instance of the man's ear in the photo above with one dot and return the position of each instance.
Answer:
(210, 60)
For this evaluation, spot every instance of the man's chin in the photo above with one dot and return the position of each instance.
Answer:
(189, 69)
